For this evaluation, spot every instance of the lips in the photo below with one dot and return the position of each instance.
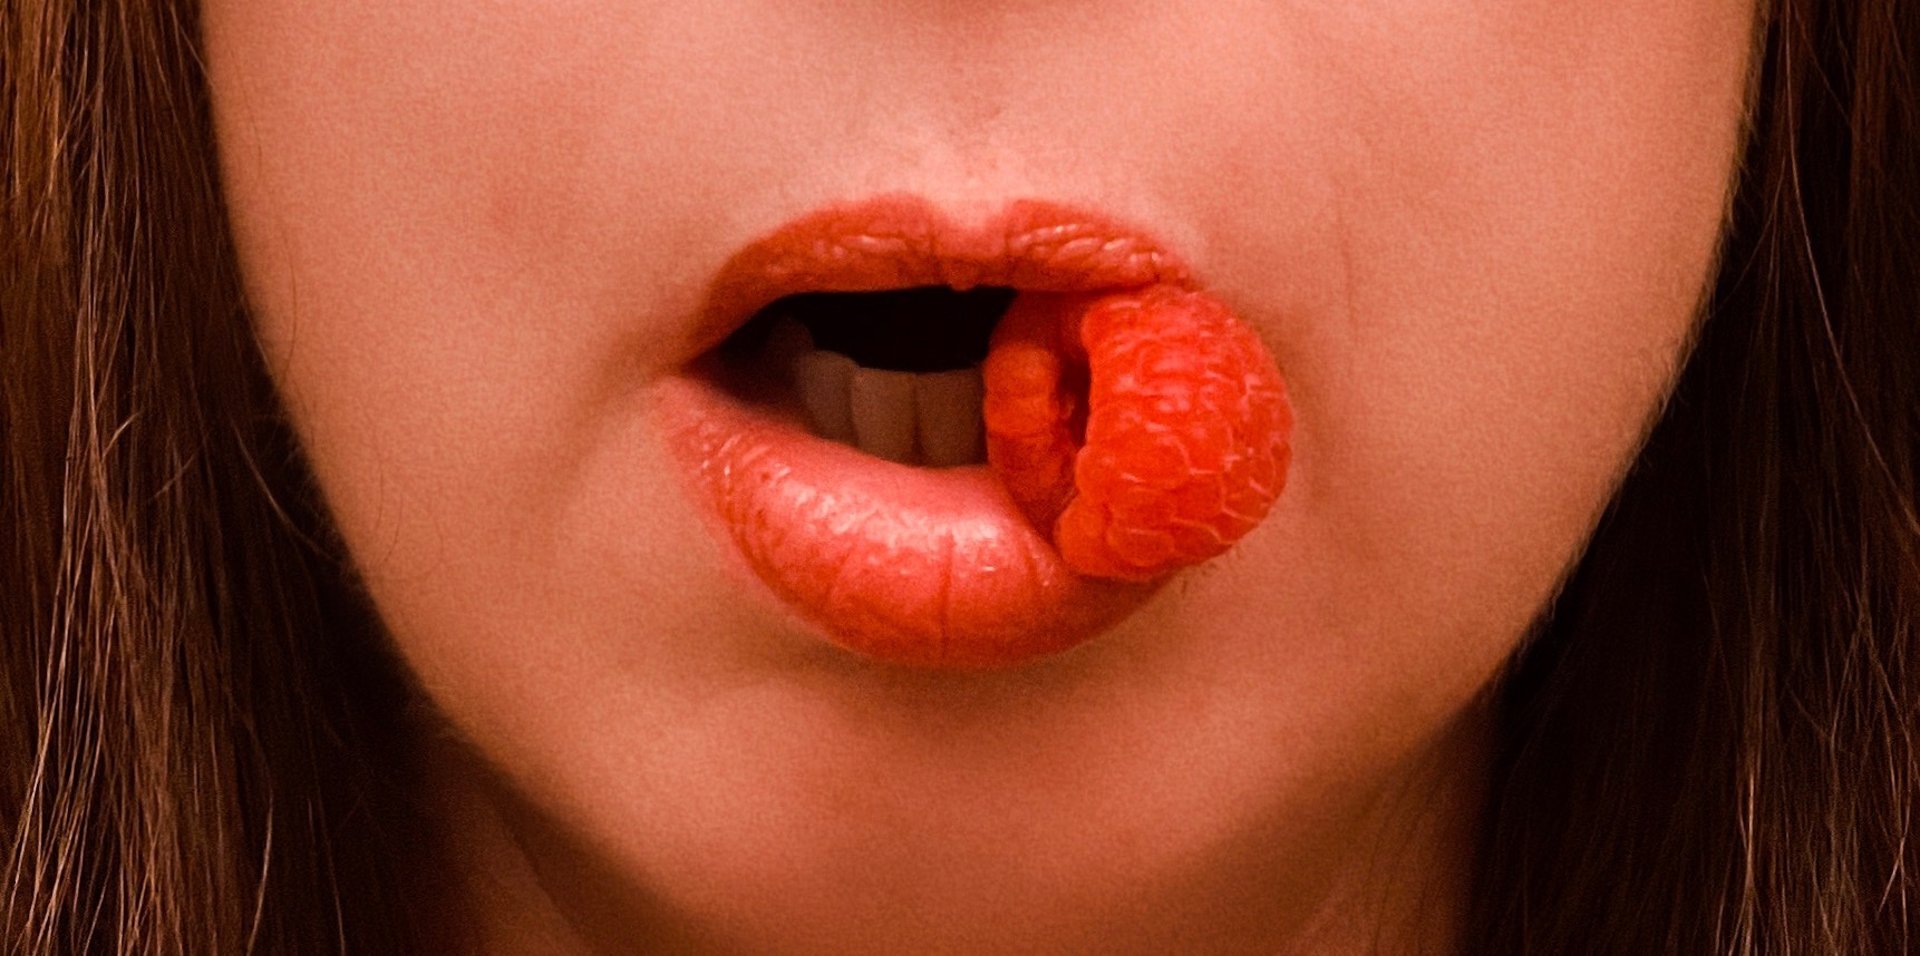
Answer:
(911, 566)
(900, 241)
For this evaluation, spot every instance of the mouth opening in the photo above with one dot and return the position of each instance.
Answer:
(895, 373)
(923, 329)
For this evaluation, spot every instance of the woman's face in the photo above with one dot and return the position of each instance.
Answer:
(1474, 234)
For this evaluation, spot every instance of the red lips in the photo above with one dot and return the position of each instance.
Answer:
(899, 241)
(913, 566)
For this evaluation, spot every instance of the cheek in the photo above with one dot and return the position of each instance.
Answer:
(1519, 208)
(453, 254)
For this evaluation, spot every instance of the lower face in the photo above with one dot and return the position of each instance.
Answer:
(1473, 233)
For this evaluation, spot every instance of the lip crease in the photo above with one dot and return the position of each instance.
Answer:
(903, 565)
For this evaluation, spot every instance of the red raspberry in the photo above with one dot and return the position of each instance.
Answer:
(1147, 430)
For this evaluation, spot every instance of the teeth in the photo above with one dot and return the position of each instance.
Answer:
(931, 419)
(883, 418)
(824, 380)
(947, 405)
(787, 343)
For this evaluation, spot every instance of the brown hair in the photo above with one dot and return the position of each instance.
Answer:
(190, 746)
(1710, 745)
(1707, 747)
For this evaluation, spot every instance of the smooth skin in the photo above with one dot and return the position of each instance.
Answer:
(1475, 233)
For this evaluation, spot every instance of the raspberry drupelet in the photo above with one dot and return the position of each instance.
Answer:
(1144, 431)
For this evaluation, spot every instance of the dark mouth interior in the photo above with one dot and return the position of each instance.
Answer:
(920, 329)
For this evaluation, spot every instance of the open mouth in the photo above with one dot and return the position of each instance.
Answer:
(956, 446)
(895, 373)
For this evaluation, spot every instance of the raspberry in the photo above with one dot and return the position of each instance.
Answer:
(1147, 431)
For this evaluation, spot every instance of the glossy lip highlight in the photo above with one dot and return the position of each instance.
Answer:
(910, 566)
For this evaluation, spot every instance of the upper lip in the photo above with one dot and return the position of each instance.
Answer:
(901, 240)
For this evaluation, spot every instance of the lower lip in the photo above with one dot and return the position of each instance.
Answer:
(912, 566)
